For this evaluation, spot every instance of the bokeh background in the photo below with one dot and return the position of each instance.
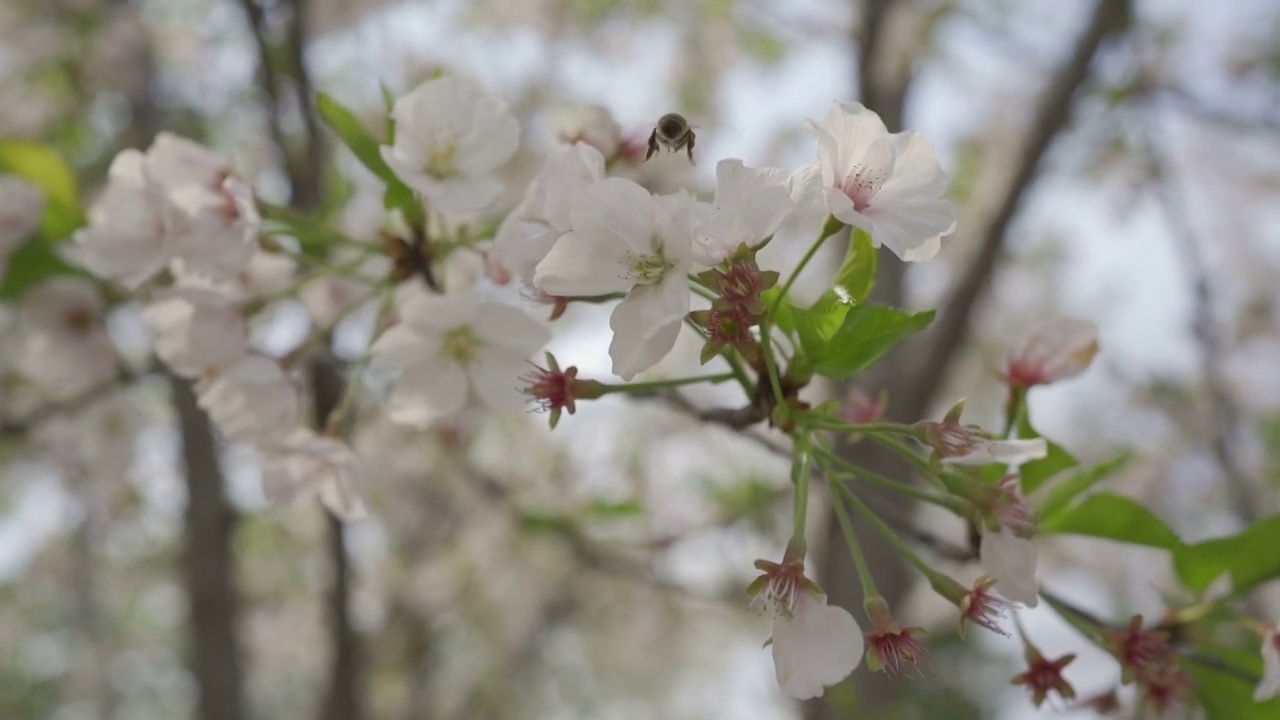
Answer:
(1117, 161)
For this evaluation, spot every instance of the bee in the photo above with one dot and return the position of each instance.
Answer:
(672, 132)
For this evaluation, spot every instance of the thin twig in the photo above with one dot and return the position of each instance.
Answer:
(1224, 413)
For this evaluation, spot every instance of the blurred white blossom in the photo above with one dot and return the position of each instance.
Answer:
(198, 331)
(66, 349)
(252, 401)
(305, 465)
(449, 347)
(450, 138)
(542, 217)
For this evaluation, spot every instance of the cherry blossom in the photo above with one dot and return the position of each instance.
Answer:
(198, 331)
(1011, 561)
(750, 205)
(1057, 351)
(450, 138)
(131, 230)
(626, 240)
(971, 445)
(590, 124)
(556, 390)
(982, 608)
(251, 401)
(66, 349)
(220, 230)
(305, 465)
(887, 184)
(815, 645)
(542, 217)
(892, 648)
(449, 347)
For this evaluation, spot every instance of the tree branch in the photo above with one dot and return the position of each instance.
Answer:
(1225, 416)
(210, 570)
(990, 217)
(344, 697)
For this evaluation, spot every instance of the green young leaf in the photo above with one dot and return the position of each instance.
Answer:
(857, 274)
(1038, 472)
(864, 336)
(1227, 695)
(1250, 557)
(389, 104)
(605, 509)
(818, 324)
(355, 136)
(1115, 517)
(30, 264)
(1063, 492)
(46, 169)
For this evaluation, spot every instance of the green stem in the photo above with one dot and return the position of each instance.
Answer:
(766, 346)
(884, 529)
(829, 228)
(907, 453)
(800, 479)
(834, 424)
(643, 387)
(700, 291)
(855, 548)
(897, 486)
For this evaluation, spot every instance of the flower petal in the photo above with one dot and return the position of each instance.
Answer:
(1011, 560)
(581, 264)
(631, 351)
(818, 646)
(615, 212)
(511, 329)
(427, 392)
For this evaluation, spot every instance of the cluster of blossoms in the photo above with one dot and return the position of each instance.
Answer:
(178, 219)
(177, 224)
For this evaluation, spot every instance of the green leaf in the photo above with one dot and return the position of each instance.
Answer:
(857, 274)
(46, 169)
(1251, 558)
(355, 136)
(864, 336)
(625, 508)
(818, 324)
(30, 264)
(1065, 491)
(1226, 695)
(1038, 472)
(1114, 517)
(389, 104)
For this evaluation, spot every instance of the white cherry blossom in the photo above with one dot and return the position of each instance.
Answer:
(219, 232)
(448, 347)
(542, 217)
(175, 161)
(305, 465)
(1269, 686)
(251, 401)
(450, 138)
(985, 451)
(887, 184)
(626, 240)
(66, 349)
(590, 124)
(814, 644)
(21, 208)
(750, 205)
(1011, 561)
(131, 227)
(198, 331)
(1060, 350)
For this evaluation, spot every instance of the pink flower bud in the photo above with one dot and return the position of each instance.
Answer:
(1055, 352)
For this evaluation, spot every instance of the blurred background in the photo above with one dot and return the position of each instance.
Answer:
(1117, 161)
